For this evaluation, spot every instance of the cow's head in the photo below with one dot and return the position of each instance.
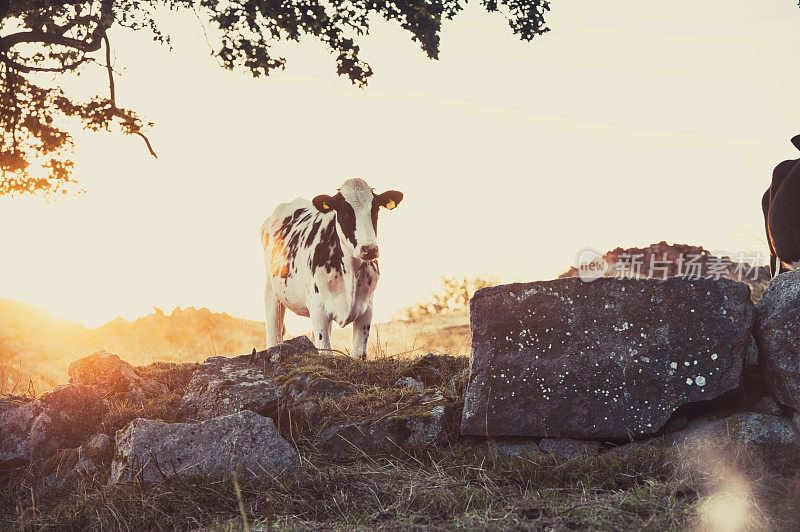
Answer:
(356, 207)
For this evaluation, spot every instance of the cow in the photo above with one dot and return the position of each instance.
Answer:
(321, 261)
(781, 207)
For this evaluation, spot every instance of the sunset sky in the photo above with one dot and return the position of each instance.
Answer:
(629, 123)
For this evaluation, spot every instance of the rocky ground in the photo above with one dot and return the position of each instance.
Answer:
(624, 404)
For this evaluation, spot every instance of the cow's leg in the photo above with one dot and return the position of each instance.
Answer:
(274, 316)
(361, 327)
(321, 328)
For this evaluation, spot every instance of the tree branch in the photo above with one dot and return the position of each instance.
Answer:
(146, 141)
(89, 45)
(112, 92)
(110, 71)
(26, 69)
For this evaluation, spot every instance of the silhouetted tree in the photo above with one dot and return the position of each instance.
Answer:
(59, 37)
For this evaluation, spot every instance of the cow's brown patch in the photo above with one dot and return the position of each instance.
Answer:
(336, 285)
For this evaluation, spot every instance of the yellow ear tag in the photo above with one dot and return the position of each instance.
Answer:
(325, 206)
(390, 205)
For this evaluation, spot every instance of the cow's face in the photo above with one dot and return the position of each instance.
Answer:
(356, 208)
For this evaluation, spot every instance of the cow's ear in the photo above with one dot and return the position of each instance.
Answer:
(324, 203)
(389, 199)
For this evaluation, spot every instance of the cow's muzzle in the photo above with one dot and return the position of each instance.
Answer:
(369, 252)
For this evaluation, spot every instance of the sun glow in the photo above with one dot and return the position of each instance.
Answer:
(479, 158)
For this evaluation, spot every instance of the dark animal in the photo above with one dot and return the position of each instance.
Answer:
(781, 206)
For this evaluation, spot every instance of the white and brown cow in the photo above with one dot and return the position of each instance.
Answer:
(321, 258)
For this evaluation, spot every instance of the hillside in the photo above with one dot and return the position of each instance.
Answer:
(674, 260)
(37, 347)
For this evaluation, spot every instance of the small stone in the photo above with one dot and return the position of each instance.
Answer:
(767, 405)
(304, 412)
(512, 447)
(272, 357)
(409, 382)
(309, 385)
(569, 448)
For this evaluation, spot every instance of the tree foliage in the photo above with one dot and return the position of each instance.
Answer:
(43, 40)
(454, 295)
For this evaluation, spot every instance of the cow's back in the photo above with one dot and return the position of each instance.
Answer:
(782, 211)
(300, 246)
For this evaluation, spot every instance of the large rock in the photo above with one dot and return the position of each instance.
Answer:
(777, 331)
(149, 450)
(60, 419)
(113, 377)
(222, 386)
(612, 358)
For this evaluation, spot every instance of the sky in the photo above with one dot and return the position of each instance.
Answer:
(629, 123)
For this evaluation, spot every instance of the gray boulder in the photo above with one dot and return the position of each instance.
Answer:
(773, 437)
(113, 377)
(777, 331)
(149, 450)
(222, 386)
(612, 358)
(57, 420)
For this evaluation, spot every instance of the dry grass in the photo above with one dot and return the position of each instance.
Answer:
(371, 391)
(175, 376)
(378, 371)
(462, 487)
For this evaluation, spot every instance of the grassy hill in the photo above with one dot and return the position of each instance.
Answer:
(36, 347)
